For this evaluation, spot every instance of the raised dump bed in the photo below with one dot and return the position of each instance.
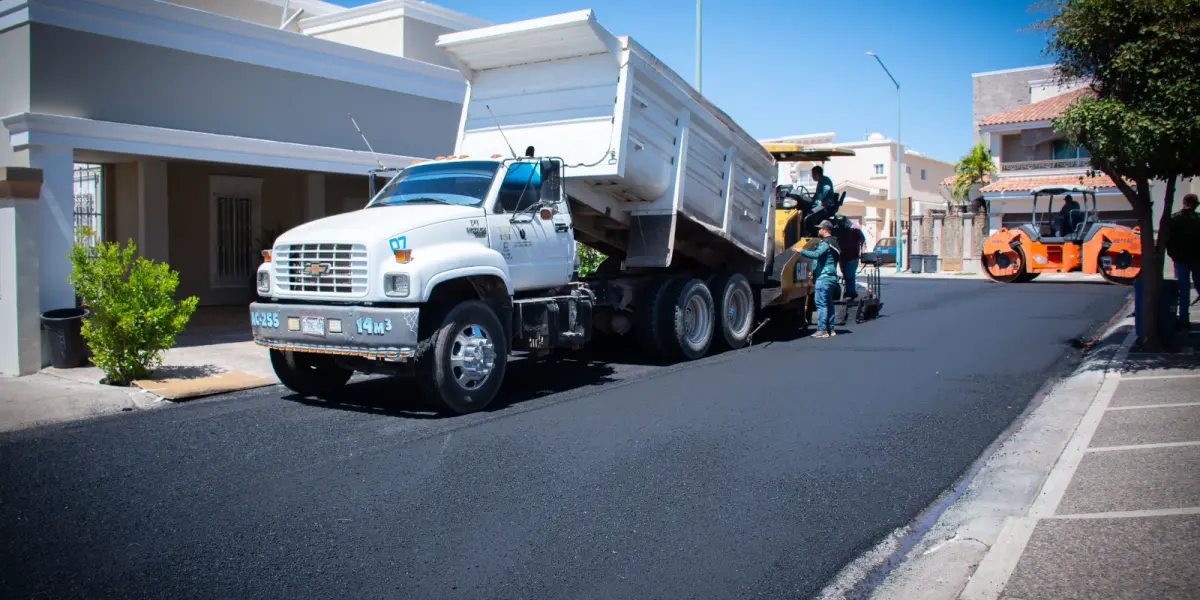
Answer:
(655, 172)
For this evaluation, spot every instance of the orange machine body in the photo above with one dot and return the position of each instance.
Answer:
(1022, 253)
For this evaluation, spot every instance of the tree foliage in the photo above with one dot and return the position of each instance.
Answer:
(589, 259)
(974, 168)
(133, 313)
(1141, 59)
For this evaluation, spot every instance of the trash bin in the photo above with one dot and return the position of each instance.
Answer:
(916, 262)
(931, 263)
(62, 337)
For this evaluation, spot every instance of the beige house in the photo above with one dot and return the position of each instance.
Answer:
(868, 179)
(201, 128)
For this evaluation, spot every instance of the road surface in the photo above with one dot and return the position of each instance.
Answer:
(750, 474)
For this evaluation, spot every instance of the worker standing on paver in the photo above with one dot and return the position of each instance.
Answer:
(823, 199)
(851, 243)
(1183, 246)
(825, 267)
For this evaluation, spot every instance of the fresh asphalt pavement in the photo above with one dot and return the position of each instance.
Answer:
(755, 473)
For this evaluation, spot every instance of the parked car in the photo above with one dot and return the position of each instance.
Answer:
(886, 249)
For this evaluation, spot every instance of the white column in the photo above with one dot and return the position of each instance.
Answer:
(314, 196)
(20, 322)
(154, 240)
(939, 222)
(57, 215)
(970, 260)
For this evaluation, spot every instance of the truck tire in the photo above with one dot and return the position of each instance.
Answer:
(653, 314)
(692, 322)
(309, 374)
(462, 365)
(735, 309)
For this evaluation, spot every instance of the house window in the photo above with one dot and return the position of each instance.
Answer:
(234, 230)
(879, 168)
(922, 174)
(89, 202)
(1063, 150)
(908, 170)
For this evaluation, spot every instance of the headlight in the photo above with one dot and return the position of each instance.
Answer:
(395, 285)
(264, 282)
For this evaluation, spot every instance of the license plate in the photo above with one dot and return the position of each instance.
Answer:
(312, 326)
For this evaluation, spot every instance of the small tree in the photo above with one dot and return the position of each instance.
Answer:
(133, 313)
(1143, 123)
(974, 168)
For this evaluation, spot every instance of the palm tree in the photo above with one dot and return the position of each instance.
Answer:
(975, 168)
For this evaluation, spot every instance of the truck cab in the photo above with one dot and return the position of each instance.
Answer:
(360, 290)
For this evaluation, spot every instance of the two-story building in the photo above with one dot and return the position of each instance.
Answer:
(868, 180)
(1013, 111)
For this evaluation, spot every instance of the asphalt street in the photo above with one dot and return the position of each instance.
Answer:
(751, 474)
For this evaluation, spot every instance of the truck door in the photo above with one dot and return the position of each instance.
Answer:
(539, 251)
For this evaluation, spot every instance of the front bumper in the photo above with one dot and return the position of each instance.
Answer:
(365, 331)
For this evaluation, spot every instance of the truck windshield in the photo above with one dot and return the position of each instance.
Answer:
(465, 183)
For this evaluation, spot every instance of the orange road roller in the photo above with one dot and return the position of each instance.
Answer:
(1070, 240)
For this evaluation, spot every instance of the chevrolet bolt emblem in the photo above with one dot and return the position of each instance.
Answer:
(317, 269)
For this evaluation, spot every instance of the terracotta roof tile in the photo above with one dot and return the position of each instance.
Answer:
(1037, 111)
(1024, 184)
(950, 180)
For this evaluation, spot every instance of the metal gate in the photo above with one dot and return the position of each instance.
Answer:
(89, 204)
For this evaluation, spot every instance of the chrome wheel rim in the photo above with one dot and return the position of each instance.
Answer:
(695, 321)
(737, 311)
(472, 357)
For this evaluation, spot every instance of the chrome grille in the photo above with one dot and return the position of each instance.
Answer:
(327, 268)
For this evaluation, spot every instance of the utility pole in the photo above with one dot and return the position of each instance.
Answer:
(699, 49)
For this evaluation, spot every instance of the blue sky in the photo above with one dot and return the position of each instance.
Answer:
(783, 67)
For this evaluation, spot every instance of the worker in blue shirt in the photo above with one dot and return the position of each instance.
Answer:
(825, 268)
(823, 199)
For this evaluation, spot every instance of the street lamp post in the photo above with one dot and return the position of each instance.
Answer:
(699, 53)
(899, 173)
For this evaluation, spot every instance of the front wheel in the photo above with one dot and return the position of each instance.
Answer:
(463, 364)
(308, 374)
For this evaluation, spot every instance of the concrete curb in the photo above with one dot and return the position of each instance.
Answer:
(985, 508)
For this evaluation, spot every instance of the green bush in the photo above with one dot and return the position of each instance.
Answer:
(133, 313)
(589, 259)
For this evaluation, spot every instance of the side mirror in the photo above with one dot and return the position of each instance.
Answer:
(551, 189)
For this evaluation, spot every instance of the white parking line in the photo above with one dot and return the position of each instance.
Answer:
(990, 577)
(1131, 514)
(1142, 446)
(1151, 377)
(1141, 406)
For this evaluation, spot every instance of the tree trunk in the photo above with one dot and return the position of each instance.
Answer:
(1151, 278)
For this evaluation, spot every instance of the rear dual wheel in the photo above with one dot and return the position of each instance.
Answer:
(677, 319)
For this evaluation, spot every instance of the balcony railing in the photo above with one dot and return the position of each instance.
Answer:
(1045, 165)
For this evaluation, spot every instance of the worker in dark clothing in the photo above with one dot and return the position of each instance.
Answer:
(1183, 246)
(825, 268)
(1064, 221)
(851, 242)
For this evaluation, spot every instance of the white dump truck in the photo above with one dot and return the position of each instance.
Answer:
(568, 134)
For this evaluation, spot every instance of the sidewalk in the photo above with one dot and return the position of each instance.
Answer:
(1119, 516)
(1093, 493)
(188, 371)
